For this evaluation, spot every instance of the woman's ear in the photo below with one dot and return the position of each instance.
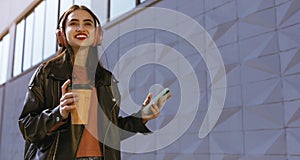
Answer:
(98, 36)
(61, 39)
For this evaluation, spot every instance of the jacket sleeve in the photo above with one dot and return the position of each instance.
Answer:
(36, 119)
(131, 124)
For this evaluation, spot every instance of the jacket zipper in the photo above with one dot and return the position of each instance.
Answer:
(109, 123)
(56, 145)
(56, 100)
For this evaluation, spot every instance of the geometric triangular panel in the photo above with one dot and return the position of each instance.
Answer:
(292, 113)
(257, 23)
(290, 62)
(265, 142)
(293, 143)
(229, 120)
(277, 145)
(262, 68)
(259, 46)
(291, 87)
(289, 38)
(268, 116)
(263, 92)
(225, 33)
(192, 145)
(288, 13)
(226, 142)
(245, 8)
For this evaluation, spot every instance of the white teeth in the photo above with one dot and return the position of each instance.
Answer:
(81, 36)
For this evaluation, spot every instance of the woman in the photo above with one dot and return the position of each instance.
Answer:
(45, 121)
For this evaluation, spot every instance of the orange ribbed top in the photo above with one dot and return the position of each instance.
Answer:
(89, 145)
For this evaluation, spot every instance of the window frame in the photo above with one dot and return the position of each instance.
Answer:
(31, 12)
(5, 48)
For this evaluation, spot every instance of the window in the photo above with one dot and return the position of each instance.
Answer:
(50, 28)
(119, 7)
(35, 36)
(100, 8)
(18, 55)
(4, 50)
(64, 5)
(86, 3)
(28, 41)
(38, 41)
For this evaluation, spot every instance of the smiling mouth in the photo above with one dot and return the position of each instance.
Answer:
(81, 36)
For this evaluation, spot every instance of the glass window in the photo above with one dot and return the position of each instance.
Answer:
(50, 28)
(38, 42)
(2, 76)
(119, 7)
(28, 41)
(100, 9)
(64, 5)
(18, 55)
(4, 50)
(86, 3)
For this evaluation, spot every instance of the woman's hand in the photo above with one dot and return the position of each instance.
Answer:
(155, 108)
(67, 100)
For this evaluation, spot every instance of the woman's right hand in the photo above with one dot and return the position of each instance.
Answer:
(67, 100)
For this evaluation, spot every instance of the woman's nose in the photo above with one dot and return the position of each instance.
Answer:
(80, 27)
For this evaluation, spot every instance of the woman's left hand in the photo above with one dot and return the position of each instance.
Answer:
(155, 108)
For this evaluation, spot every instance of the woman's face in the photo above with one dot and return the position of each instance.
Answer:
(80, 27)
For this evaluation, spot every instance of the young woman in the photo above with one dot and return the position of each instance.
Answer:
(45, 121)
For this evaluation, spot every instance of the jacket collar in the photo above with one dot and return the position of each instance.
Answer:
(61, 69)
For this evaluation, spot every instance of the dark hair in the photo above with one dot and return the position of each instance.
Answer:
(67, 51)
(62, 24)
(62, 20)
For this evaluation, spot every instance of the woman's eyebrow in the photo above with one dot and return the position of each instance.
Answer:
(88, 20)
(77, 20)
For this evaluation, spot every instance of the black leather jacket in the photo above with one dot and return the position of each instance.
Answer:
(41, 113)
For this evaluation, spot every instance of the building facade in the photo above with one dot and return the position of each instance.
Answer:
(149, 44)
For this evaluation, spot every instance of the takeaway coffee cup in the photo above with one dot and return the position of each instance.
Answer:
(80, 115)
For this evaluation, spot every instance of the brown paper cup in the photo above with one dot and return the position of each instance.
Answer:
(80, 115)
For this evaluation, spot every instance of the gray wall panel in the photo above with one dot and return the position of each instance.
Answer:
(1, 111)
(259, 43)
(12, 143)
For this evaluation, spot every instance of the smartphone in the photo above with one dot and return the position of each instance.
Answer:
(163, 94)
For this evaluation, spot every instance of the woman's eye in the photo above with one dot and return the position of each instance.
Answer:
(72, 24)
(88, 24)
